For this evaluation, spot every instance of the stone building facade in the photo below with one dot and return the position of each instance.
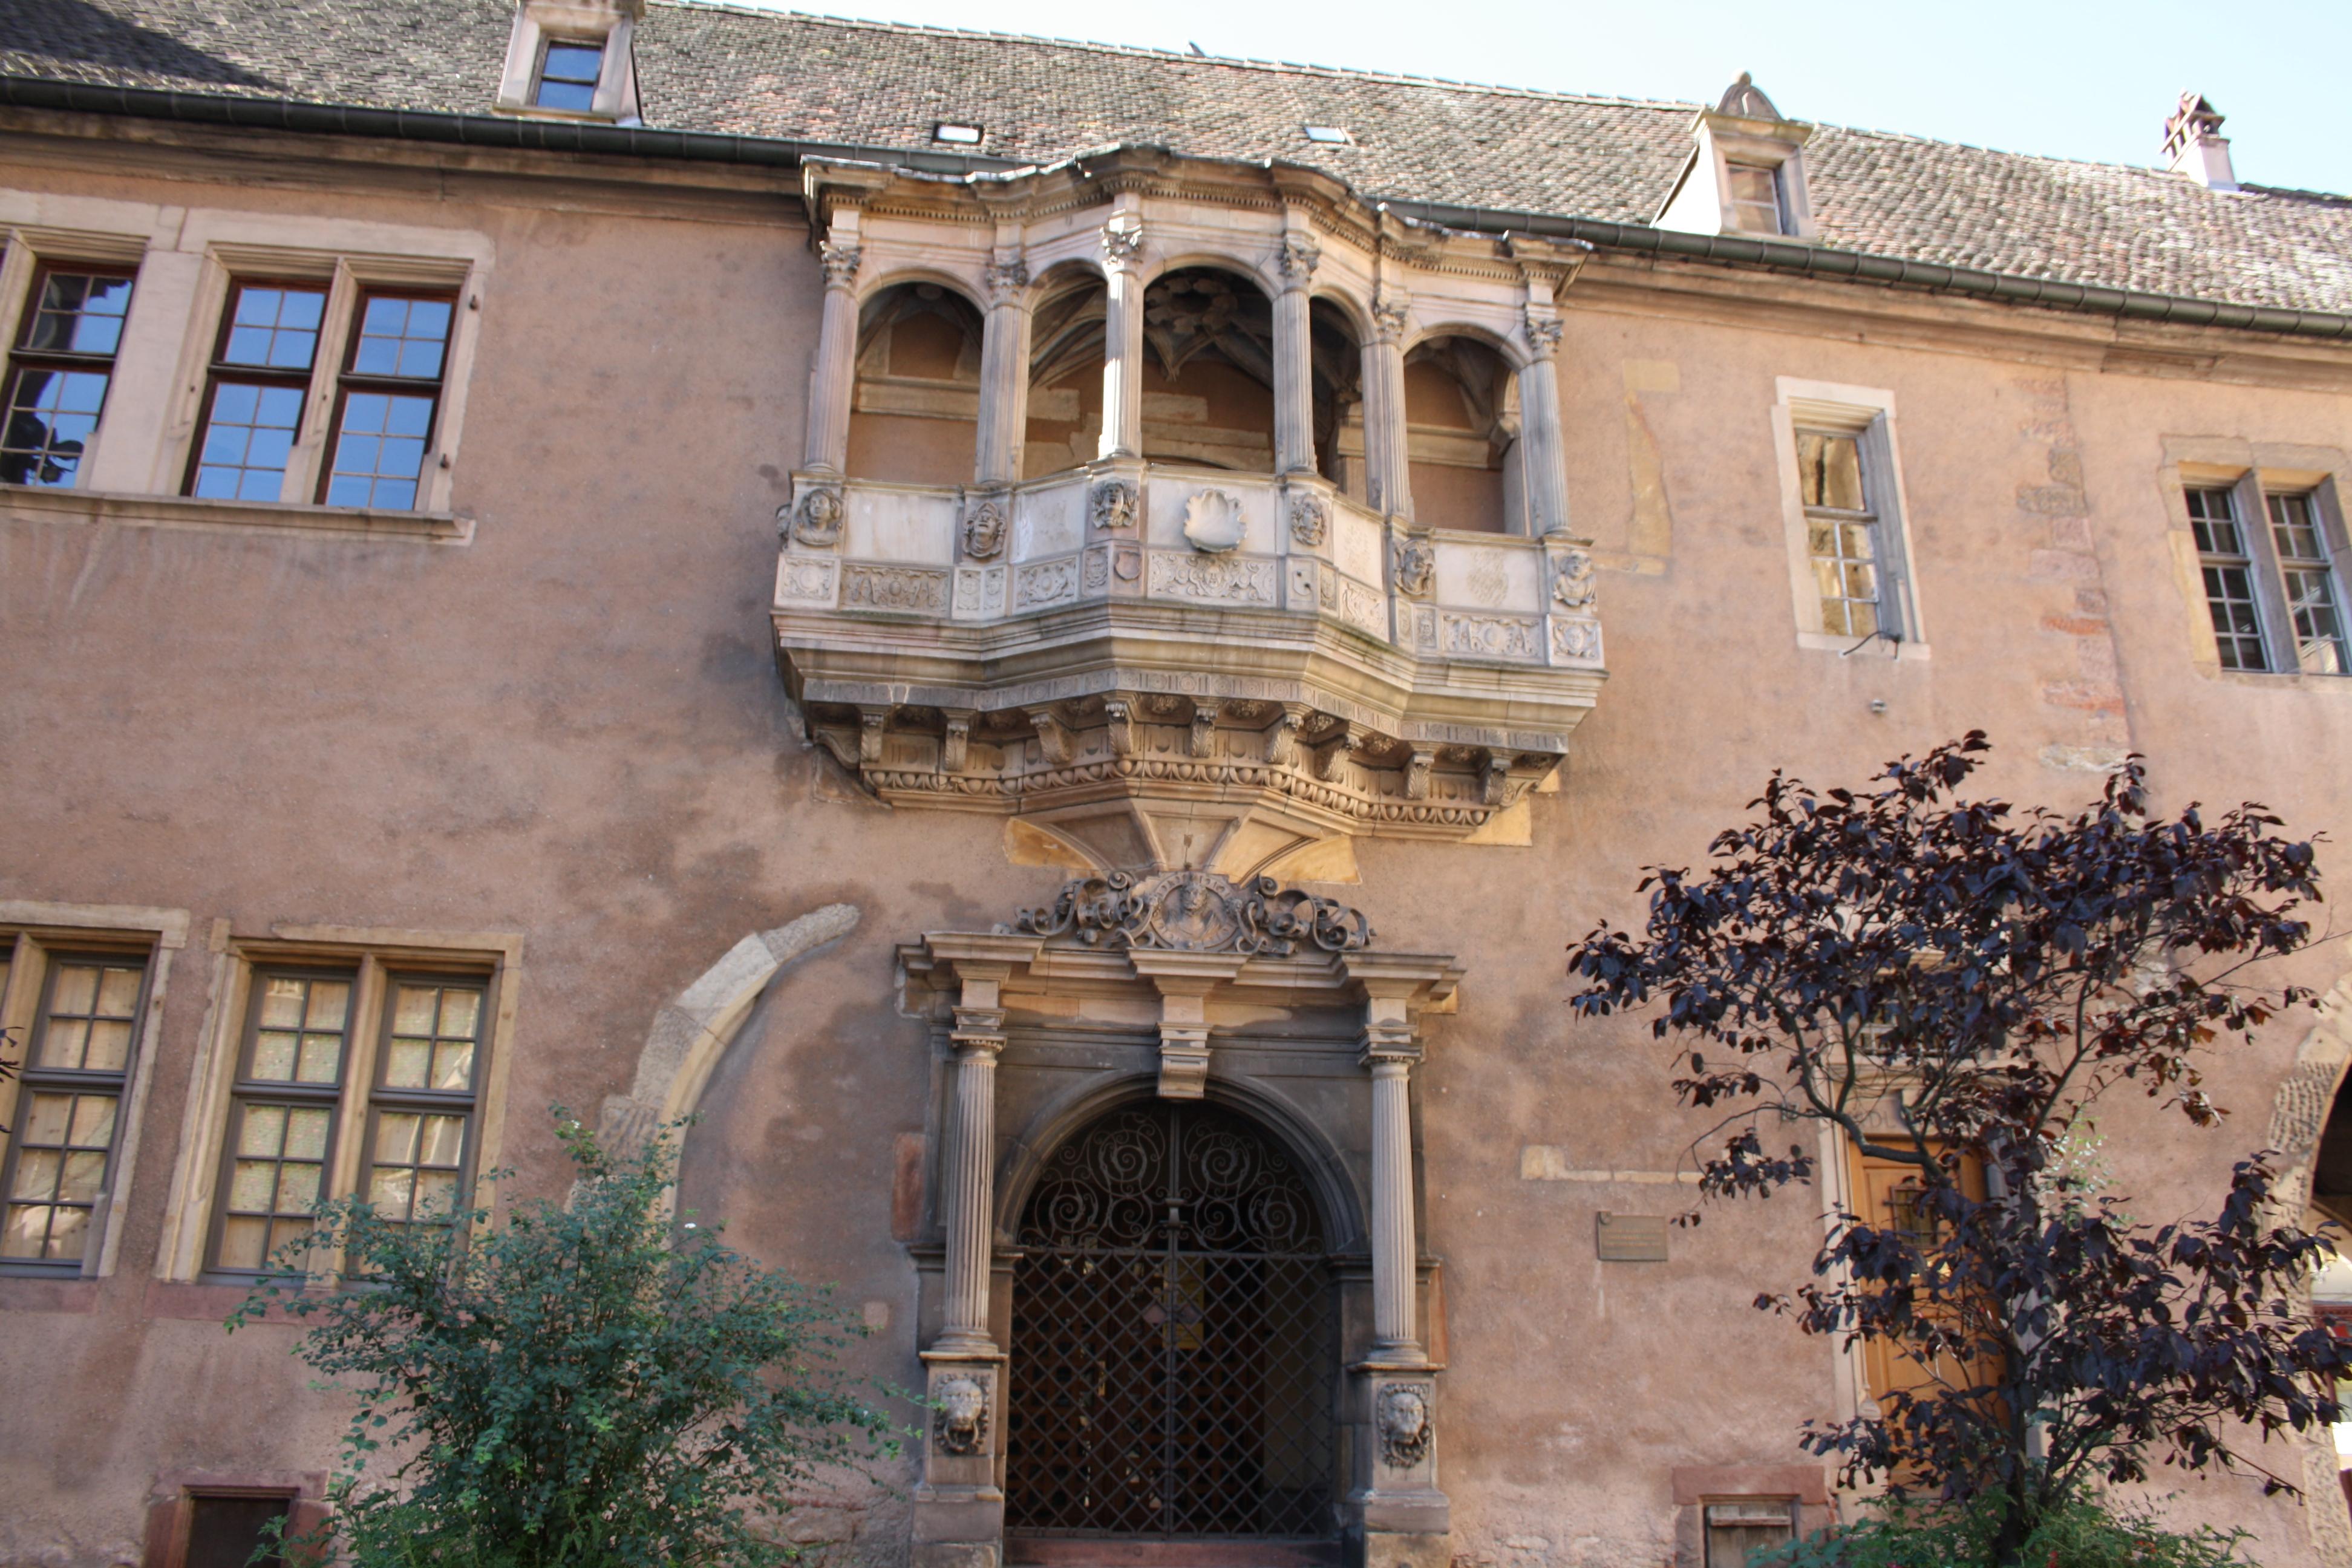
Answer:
(1057, 639)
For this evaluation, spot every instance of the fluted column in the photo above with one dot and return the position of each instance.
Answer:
(836, 360)
(1122, 413)
(970, 1194)
(1542, 454)
(1294, 357)
(1003, 374)
(1388, 482)
(1389, 1052)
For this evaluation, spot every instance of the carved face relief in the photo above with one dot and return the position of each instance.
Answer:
(960, 1416)
(984, 531)
(1416, 567)
(1114, 505)
(819, 523)
(1308, 518)
(1213, 521)
(1402, 1412)
(1574, 587)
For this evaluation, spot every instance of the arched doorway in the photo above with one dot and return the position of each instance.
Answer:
(1174, 1344)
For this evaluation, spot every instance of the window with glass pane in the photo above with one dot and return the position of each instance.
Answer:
(59, 372)
(1842, 534)
(2228, 568)
(70, 1099)
(567, 77)
(1756, 197)
(253, 404)
(2310, 578)
(428, 1067)
(281, 1117)
(391, 390)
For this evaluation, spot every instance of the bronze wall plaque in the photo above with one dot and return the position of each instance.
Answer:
(1632, 1238)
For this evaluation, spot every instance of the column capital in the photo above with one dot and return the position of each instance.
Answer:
(1300, 252)
(1122, 242)
(1389, 311)
(978, 1031)
(841, 258)
(1543, 332)
(1007, 280)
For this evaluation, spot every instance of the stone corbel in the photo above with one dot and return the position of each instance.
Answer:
(871, 722)
(1282, 736)
(1118, 718)
(1204, 727)
(1494, 780)
(1416, 773)
(1337, 749)
(1184, 981)
(955, 743)
(1054, 737)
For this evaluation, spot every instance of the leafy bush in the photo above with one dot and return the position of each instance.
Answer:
(2081, 1534)
(569, 1389)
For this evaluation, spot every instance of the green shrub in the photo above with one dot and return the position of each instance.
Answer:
(2081, 1534)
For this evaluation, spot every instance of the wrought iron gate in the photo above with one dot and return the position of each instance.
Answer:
(1172, 1337)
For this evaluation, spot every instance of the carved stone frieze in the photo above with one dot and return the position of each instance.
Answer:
(1401, 1411)
(1113, 503)
(1198, 911)
(959, 1414)
(1311, 520)
(807, 579)
(905, 588)
(1491, 636)
(1036, 584)
(1578, 640)
(1214, 579)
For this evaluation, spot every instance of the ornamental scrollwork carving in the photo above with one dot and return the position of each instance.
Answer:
(960, 1416)
(984, 531)
(1114, 504)
(840, 261)
(1198, 911)
(1575, 588)
(1310, 518)
(1416, 566)
(1402, 1412)
(818, 522)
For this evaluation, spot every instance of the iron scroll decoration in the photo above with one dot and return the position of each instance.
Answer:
(1199, 911)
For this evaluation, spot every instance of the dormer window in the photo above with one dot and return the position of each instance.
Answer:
(956, 133)
(573, 59)
(568, 72)
(1331, 136)
(1755, 198)
(1746, 172)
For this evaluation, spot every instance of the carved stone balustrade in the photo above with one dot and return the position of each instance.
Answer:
(1163, 665)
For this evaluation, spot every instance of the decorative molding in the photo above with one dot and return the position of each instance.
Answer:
(1198, 911)
(1213, 521)
(1113, 504)
(1311, 519)
(903, 588)
(1040, 584)
(984, 528)
(1491, 636)
(818, 524)
(1402, 1412)
(959, 1414)
(1578, 640)
(807, 579)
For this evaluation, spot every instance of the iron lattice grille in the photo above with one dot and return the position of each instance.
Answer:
(1172, 1340)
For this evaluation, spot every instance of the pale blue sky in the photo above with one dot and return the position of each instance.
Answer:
(2064, 77)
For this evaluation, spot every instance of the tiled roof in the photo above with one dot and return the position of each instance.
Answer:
(763, 73)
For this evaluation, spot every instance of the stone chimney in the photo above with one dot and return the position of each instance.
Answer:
(2194, 145)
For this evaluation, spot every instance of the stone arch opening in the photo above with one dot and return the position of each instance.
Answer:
(1174, 1361)
(1336, 355)
(914, 415)
(1066, 354)
(1463, 425)
(1208, 370)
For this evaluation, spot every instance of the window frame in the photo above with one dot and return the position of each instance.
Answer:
(2327, 564)
(550, 41)
(1867, 413)
(33, 1078)
(1792, 1506)
(346, 380)
(2251, 488)
(21, 358)
(1733, 204)
(377, 959)
(246, 1091)
(217, 368)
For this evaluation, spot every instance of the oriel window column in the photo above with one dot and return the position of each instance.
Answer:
(1004, 372)
(1390, 1051)
(1122, 249)
(836, 355)
(1541, 450)
(1387, 457)
(978, 1037)
(1294, 362)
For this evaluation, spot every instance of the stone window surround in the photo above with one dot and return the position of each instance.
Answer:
(2250, 470)
(170, 1510)
(372, 950)
(34, 928)
(537, 24)
(1805, 1487)
(1868, 411)
(185, 258)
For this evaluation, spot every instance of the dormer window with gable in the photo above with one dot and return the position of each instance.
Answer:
(1746, 172)
(572, 60)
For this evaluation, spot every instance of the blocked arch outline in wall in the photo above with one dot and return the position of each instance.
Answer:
(691, 1031)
